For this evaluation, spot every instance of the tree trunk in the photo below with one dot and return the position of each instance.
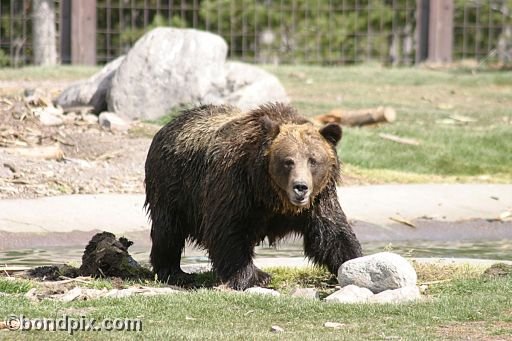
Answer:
(43, 32)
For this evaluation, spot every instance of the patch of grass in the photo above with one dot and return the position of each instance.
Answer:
(285, 279)
(14, 286)
(58, 72)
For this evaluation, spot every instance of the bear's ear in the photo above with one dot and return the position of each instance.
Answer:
(332, 133)
(270, 128)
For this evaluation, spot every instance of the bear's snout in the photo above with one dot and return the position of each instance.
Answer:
(301, 193)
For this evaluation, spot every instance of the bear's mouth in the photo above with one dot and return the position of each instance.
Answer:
(300, 201)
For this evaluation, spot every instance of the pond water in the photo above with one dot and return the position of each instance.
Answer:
(500, 250)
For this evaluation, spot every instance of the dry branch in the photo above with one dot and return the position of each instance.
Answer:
(399, 139)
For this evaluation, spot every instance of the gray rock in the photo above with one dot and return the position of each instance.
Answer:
(109, 120)
(350, 294)
(378, 272)
(276, 329)
(166, 68)
(90, 118)
(92, 91)
(310, 293)
(249, 86)
(262, 291)
(401, 295)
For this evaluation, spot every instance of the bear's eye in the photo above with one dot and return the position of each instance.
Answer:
(289, 163)
(312, 162)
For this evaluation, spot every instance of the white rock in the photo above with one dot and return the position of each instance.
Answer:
(90, 118)
(70, 117)
(401, 295)
(49, 116)
(378, 272)
(113, 122)
(262, 291)
(310, 293)
(350, 294)
(334, 325)
(276, 329)
(167, 67)
(71, 295)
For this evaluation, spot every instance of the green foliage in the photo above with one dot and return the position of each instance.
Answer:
(305, 30)
(4, 59)
(130, 35)
(14, 286)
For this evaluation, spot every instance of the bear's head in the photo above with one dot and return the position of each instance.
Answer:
(302, 160)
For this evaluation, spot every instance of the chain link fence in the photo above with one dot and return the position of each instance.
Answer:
(326, 32)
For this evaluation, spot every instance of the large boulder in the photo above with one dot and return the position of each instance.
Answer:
(91, 92)
(249, 86)
(166, 68)
(169, 68)
(378, 272)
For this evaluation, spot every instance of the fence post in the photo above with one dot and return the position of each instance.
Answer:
(83, 32)
(440, 33)
(43, 32)
(422, 22)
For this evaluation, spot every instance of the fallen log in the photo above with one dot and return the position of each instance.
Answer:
(357, 118)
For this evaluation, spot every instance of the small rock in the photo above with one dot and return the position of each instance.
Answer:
(401, 295)
(70, 117)
(378, 272)
(71, 295)
(113, 122)
(334, 325)
(350, 294)
(120, 293)
(276, 329)
(48, 117)
(262, 291)
(90, 118)
(310, 293)
(31, 295)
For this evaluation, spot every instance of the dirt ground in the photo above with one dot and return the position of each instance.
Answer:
(94, 160)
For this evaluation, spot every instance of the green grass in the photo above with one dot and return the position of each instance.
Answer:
(467, 305)
(39, 73)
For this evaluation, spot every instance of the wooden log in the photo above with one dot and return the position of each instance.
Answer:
(357, 118)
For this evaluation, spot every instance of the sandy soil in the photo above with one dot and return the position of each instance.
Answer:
(95, 160)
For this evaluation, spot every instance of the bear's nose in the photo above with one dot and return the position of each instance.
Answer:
(300, 188)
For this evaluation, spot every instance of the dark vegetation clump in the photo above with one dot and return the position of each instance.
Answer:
(499, 270)
(106, 256)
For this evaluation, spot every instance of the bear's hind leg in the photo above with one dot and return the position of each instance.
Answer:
(167, 245)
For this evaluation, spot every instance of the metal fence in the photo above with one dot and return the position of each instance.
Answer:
(280, 31)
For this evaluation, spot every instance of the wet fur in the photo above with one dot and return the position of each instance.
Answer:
(207, 181)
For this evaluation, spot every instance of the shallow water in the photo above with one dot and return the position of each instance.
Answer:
(501, 250)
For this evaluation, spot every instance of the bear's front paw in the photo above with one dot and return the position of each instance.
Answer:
(175, 277)
(249, 277)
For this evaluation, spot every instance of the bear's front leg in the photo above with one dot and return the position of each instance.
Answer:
(232, 262)
(328, 237)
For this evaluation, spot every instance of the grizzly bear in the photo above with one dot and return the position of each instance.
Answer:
(226, 180)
